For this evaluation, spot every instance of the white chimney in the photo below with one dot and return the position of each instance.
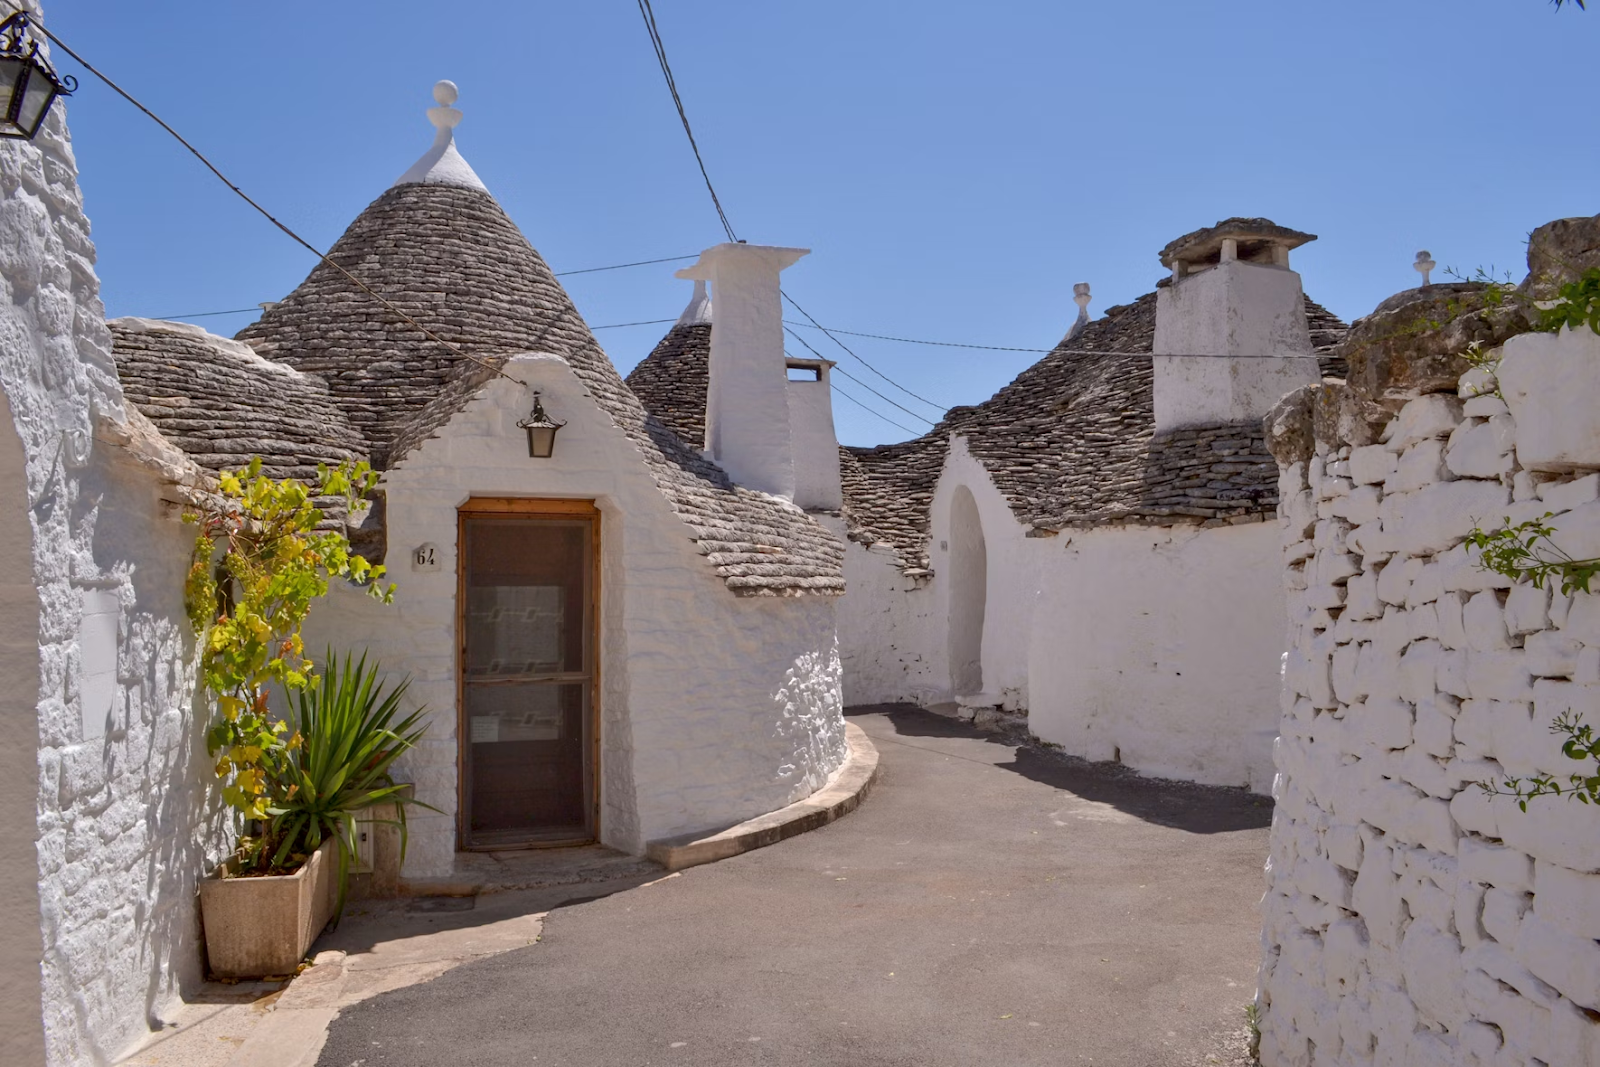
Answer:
(1231, 333)
(816, 444)
(747, 402)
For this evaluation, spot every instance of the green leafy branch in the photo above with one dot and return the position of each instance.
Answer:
(1528, 552)
(261, 559)
(1580, 744)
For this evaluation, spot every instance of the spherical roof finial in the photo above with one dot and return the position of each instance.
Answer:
(444, 116)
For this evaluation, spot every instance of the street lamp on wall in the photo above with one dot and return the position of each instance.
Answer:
(28, 84)
(541, 430)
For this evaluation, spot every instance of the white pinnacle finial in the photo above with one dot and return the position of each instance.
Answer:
(1081, 297)
(698, 313)
(442, 164)
(1424, 265)
(444, 116)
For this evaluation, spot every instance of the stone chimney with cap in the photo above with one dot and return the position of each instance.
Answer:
(1231, 334)
(747, 401)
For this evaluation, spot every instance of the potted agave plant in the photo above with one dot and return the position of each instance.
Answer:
(263, 556)
(285, 884)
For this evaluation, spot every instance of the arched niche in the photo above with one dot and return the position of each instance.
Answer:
(969, 591)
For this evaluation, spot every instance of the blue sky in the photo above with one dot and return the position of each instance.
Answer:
(954, 167)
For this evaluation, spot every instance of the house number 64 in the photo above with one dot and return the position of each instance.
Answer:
(425, 557)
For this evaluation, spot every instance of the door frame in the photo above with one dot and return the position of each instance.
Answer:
(495, 507)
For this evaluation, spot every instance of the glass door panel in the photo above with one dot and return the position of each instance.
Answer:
(527, 668)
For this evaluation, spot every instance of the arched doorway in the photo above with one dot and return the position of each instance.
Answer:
(969, 590)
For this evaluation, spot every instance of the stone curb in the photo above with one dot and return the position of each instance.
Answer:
(842, 795)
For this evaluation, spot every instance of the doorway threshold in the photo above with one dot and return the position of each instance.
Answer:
(474, 873)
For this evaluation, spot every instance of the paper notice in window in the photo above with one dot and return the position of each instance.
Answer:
(485, 728)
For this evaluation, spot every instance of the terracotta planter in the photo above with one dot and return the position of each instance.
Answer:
(256, 927)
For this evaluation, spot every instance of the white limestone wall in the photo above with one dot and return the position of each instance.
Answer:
(1160, 648)
(101, 720)
(891, 632)
(714, 708)
(1409, 917)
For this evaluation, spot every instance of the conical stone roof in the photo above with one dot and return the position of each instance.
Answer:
(451, 259)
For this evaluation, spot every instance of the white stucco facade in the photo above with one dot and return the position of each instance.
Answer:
(104, 807)
(1157, 648)
(713, 708)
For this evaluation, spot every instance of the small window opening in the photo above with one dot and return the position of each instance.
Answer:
(800, 372)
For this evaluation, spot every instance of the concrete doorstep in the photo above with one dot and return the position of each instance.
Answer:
(845, 790)
(382, 945)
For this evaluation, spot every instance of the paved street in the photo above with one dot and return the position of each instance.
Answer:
(986, 905)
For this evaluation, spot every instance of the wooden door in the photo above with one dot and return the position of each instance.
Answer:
(526, 623)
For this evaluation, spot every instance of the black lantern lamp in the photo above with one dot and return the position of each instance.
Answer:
(541, 430)
(28, 85)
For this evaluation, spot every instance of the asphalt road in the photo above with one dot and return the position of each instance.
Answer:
(986, 905)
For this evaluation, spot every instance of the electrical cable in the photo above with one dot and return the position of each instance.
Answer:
(642, 322)
(307, 245)
(619, 266)
(648, 14)
(873, 411)
(792, 302)
(858, 381)
(915, 341)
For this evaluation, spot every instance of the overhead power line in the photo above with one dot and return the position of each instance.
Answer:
(619, 266)
(649, 16)
(858, 381)
(912, 340)
(240, 193)
(872, 411)
(829, 334)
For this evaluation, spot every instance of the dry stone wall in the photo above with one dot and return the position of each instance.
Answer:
(1411, 917)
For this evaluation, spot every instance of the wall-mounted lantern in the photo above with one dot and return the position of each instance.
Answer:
(28, 85)
(541, 430)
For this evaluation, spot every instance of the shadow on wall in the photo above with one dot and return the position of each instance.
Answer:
(1195, 809)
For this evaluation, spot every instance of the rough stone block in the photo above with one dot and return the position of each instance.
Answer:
(1452, 677)
(1452, 623)
(1434, 415)
(1419, 668)
(1571, 965)
(1394, 580)
(1420, 465)
(1565, 495)
(1361, 597)
(1498, 676)
(1495, 865)
(1551, 654)
(1574, 1034)
(1343, 845)
(1433, 731)
(1436, 518)
(1481, 449)
(1583, 618)
(1422, 622)
(1527, 608)
(1430, 960)
(1568, 899)
(1577, 532)
(1371, 464)
(1503, 910)
(1548, 381)
(1485, 623)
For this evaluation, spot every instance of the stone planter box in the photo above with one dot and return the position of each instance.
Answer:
(256, 927)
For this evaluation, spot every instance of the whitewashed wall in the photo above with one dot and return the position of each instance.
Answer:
(1160, 647)
(1410, 917)
(121, 831)
(714, 708)
(891, 631)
